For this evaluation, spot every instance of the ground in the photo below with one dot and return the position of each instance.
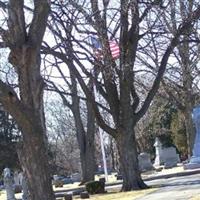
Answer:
(184, 187)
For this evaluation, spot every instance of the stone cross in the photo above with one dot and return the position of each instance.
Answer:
(158, 147)
(8, 184)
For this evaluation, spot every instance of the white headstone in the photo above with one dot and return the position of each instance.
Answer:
(158, 147)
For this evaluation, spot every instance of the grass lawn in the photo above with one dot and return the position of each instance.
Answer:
(197, 197)
(111, 195)
(111, 179)
(116, 195)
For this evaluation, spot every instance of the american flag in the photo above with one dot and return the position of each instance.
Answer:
(97, 48)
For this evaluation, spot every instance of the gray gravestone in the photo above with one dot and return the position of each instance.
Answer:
(145, 162)
(166, 156)
(18, 181)
(8, 184)
(170, 157)
(16, 178)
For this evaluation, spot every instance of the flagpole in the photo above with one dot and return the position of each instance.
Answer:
(103, 155)
(102, 147)
(97, 45)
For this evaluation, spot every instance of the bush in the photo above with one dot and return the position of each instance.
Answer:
(95, 187)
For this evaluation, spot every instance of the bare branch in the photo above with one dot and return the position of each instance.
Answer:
(39, 21)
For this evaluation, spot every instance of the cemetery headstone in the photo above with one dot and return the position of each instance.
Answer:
(145, 162)
(158, 147)
(165, 156)
(17, 182)
(195, 159)
(16, 178)
(170, 157)
(8, 184)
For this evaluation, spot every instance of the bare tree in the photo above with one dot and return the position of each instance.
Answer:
(137, 29)
(180, 81)
(85, 125)
(64, 151)
(60, 24)
(26, 106)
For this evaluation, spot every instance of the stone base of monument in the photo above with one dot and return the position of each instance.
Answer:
(193, 164)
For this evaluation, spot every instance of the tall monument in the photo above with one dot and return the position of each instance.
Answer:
(195, 159)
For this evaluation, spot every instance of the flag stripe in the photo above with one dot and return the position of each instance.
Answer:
(97, 47)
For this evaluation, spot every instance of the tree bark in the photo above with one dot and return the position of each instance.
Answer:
(85, 136)
(33, 129)
(129, 162)
(118, 86)
(88, 162)
(27, 106)
(190, 133)
(187, 98)
(33, 158)
(88, 153)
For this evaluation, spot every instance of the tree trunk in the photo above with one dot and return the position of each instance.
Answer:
(190, 132)
(85, 136)
(87, 149)
(32, 122)
(33, 158)
(26, 106)
(126, 145)
(184, 51)
(87, 163)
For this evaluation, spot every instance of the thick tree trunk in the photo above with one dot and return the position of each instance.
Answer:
(87, 163)
(85, 136)
(184, 51)
(87, 149)
(126, 145)
(26, 107)
(34, 159)
(189, 103)
(32, 124)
